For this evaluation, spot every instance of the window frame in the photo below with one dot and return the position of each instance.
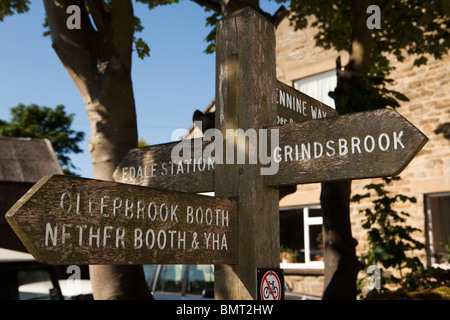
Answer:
(307, 222)
(429, 229)
(317, 77)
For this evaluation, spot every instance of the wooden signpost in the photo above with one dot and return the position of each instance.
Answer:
(361, 145)
(152, 166)
(294, 106)
(69, 220)
(330, 149)
(245, 99)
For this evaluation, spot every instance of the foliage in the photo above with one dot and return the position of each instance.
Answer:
(391, 242)
(370, 92)
(413, 27)
(140, 46)
(142, 143)
(426, 278)
(408, 28)
(389, 238)
(43, 122)
(9, 7)
(211, 21)
(446, 256)
(438, 293)
(288, 254)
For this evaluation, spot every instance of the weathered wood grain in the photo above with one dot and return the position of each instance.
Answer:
(362, 145)
(152, 166)
(294, 106)
(245, 98)
(68, 220)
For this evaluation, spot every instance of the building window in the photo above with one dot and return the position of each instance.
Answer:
(301, 237)
(438, 228)
(318, 86)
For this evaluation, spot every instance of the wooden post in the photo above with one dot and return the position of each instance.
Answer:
(246, 99)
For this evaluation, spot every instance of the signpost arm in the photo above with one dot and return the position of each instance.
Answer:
(246, 99)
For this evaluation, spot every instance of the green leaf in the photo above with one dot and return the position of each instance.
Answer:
(10, 7)
(142, 48)
(211, 21)
(154, 3)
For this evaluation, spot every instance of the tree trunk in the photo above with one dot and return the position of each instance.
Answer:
(341, 264)
(99, 63)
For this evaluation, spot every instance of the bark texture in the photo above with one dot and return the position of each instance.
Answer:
(99, 62)
(341, 264)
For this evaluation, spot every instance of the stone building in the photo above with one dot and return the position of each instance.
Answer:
(427, 178)
(23, 161)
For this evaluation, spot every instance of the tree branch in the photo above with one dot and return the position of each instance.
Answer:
(122, 22)
(214, 6)
(57, 18)
(278, 16)
(73, 46)
(281, 13)
(361, 40)
(97, 13)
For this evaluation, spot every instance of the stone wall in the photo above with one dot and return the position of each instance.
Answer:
(308, 284)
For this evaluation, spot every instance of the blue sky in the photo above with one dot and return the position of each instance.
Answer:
(169, 86)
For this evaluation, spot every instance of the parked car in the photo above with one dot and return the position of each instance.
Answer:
(23, 278)
(180, 281)
(290, 295)
(191, 282)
